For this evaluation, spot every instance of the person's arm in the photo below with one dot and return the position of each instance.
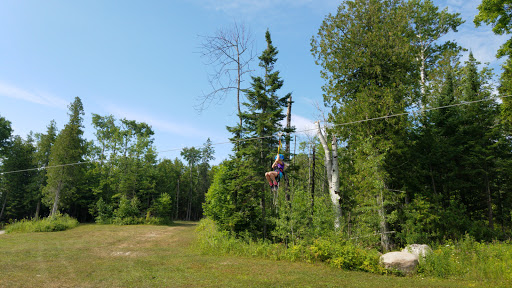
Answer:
(278, 159)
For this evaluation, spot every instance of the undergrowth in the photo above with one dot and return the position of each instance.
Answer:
(339, 254)
(50, 224)
(469, 259)
(464, 259)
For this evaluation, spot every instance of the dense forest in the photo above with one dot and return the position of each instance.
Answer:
(414, 148)
(115, 178)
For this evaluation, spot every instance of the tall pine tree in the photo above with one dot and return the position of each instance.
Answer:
(69, 148)
(239, 197)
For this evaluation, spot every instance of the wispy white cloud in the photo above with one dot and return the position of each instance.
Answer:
(481, 41)
(37, 97)
(180, 129)
(483, 44)
(303, 125)
(252, 7)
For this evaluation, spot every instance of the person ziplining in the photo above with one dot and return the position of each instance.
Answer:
(274, 176)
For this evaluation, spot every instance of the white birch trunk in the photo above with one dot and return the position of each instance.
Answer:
(331, 166)
(335, 190)
(422, 75)
(328, 163)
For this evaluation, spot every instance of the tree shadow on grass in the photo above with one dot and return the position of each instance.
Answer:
(184, 223)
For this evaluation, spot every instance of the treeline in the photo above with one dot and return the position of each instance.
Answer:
(433, 164)
(115, 178)
(416, 147)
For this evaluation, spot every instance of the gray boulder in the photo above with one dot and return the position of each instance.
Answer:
(420, 250)
(402, 261)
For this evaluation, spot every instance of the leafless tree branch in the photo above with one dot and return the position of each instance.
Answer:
(228, 54)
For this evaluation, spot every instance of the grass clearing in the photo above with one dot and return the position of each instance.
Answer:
(164, 256)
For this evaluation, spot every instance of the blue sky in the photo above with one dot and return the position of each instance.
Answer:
(139, 60)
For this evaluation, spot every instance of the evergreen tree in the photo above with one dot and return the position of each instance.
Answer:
(479, 132)
(238, 198)
(69, 148)
(262, 118)
(5, 133)
(19, 188)
(42, 157)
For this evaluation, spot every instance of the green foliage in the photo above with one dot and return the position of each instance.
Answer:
(163, 209)
(51, 224)
(470, 260)
(297, 220)
(5, 133)
(497, 13)
(422, 222)
(69, 147)
(345, 255)
(128, 212)
(18, 191)
(237, 199)
(337, 253)
(229, 200)
(103, 212)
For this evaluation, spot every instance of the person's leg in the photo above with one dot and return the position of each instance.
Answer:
(267, 175)
(273, 176)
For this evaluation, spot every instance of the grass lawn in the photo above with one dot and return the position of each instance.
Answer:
(164, 256)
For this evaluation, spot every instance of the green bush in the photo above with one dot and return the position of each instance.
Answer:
(103, 212)
(50, 224)
(128, 212)
(340, 254)
(469, 259)
(163, 210)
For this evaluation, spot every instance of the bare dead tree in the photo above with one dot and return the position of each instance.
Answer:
(228, 53)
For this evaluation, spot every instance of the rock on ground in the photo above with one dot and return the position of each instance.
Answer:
(420, 250)
(402, 261)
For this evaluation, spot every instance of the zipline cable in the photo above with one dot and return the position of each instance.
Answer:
(273, 135)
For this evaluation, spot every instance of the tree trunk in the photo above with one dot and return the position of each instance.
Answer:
(294, 152)
(238, 81)
(331, 166)
(335, 190)
(384, 237)
(423, 78)
(56, 200)
(38, 208)
(328, 163)
(263, 202)
(312, 181)
(432, 178)
(177, 199)
(3, 205)
(287, 149)
(489, 202)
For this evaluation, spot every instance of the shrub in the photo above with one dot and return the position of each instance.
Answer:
(340, 254)
(128, 212)
(104, 212)
(50, 224)
(163, 210)
(469, 259)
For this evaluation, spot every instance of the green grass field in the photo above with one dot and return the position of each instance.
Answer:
(164, 256)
